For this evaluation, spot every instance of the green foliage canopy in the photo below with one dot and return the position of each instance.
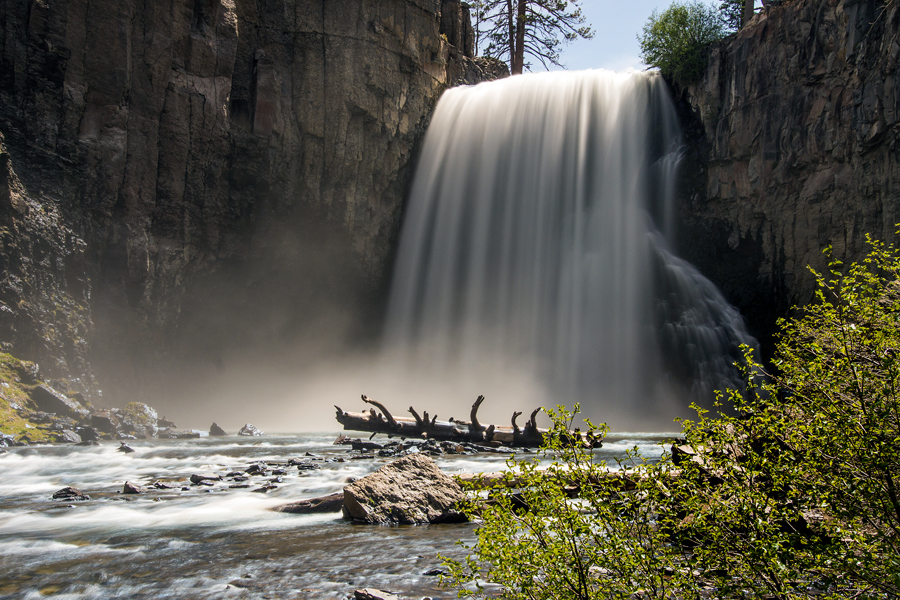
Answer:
(675, 40)
(791, 494)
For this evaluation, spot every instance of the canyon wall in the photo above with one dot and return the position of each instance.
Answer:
(191, 180)
(794, 131)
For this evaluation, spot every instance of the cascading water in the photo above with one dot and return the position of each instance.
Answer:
(536, 241)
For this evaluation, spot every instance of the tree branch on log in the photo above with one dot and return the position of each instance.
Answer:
(460, 431)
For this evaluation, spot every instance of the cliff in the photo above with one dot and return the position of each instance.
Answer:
(193, 180)
(795, 148)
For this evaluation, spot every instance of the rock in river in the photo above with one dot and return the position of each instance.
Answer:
(411, 490)
(249, 429)
(69, 494)
(324, 504)
(132, 488)
(216, 431)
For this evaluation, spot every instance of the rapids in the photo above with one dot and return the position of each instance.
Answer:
(205, 542)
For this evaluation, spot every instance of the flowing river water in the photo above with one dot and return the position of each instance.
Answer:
(218, 541)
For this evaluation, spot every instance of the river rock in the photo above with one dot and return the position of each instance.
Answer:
(70, 494)
(215, 430)
(49, 400)
(132, 488)
(105, 421)
(198, 477)
(140, 419)
(412, 490)
(373, 594)
(250, 430)
(123, 447)
(66, 436)
(323, 504)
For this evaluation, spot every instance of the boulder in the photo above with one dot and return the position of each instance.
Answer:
(412, 490)
(70, 494)
(66, 436)
(140, 419)
(132, 488)
(123, 447)
(198, 477)
(49, 400)
(216, 431)
(323, 504)
(250, 430)
(105, 421)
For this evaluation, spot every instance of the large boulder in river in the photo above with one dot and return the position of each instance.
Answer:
(411, 490)
(139, 419)
(215, 430)
(250, 430)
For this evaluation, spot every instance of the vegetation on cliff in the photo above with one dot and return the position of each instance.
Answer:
(17, 380)
(791, 492)
(675, 39)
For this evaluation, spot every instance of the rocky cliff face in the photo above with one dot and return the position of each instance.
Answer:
(206, 176)
(796, 148)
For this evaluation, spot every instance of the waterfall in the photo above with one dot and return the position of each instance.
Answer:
(536, 240)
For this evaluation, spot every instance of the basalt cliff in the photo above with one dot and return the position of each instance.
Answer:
(795, 148)
(191, 180)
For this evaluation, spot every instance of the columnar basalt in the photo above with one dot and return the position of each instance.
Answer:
(213, 162)
(797, 149)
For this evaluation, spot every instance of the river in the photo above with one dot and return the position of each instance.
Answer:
(217, 541)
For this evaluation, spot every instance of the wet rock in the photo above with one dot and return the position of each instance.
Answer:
(87, 433)
(435, 572)
(70, 494)
(105, 421)
(7, 440)
(132, 488)
(139, 419)
(200, 477)
(123, 447)
(239, 486)
(362, 456)
(257, 469)
(307, 467)
(323, 504)
(159, 485)
(361, 445)
(164, 423)
(216, 431)
(407, 491)
(265, 489)
(250, 430)
(66, 436)
(373, 594)
(49, 400)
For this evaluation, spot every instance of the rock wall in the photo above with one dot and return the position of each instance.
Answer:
(795, 131)
(212, 175)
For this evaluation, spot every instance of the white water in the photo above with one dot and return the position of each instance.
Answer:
(197, 542)
(536, 242)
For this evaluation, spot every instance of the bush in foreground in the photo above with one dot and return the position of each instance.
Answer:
(795, 496)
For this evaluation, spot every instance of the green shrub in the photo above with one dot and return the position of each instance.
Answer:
(676, 39)
(791, 493)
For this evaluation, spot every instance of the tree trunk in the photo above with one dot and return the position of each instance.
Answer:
(519, 59)
(748, 12)
(511, 22)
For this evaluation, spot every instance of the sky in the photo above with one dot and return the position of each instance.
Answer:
(616, 24)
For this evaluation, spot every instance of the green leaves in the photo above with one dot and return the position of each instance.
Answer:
(791, 488)
(675, 40)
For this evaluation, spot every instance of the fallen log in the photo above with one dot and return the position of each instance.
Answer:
(429, 427)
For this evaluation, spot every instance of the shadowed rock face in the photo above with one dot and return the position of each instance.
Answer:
(795, 150)
(202, 163)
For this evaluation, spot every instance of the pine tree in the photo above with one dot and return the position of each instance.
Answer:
(515, 29)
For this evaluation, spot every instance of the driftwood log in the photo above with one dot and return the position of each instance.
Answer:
(429, 427)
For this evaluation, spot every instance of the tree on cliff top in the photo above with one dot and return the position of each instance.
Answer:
(675, 40)
(514, 29)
